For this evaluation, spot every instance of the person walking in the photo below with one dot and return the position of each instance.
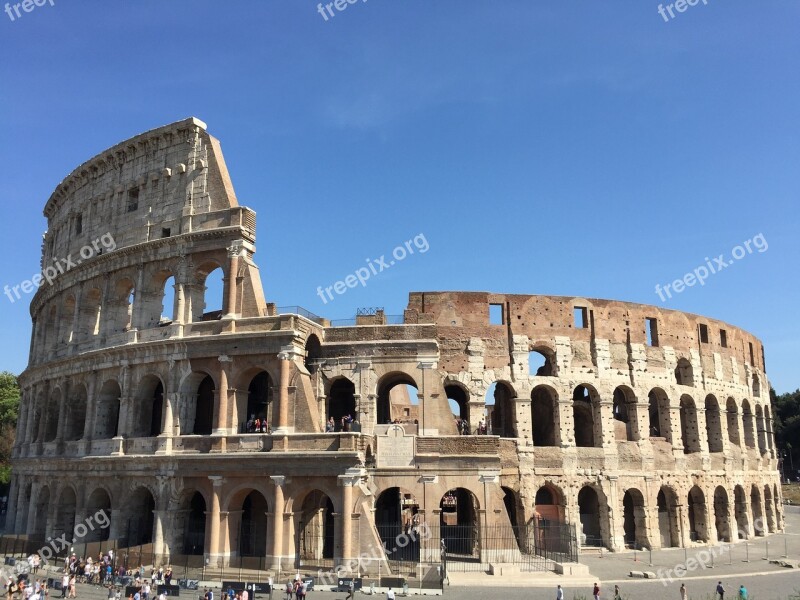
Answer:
(559, 593)
(683, 591)
(64, 584)
(351, 590)
(616, 593)
(596, 591)
(390, 594)
(742, 592)
(720, 590)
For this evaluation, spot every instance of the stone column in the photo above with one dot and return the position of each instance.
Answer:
(278, 500)
(213, 554)
(565, 422)
(221, 406)
(62, 410)
(286, 357)
(11, 509)
(76, 315)
(606, 425)
(231, 287)
(88, 429)
(346, 482)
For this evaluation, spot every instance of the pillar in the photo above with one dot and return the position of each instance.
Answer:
(62, 410)
(278, 500)
(221, 406)
(213, 553)
(11, 509)
(286, 356)
(231, 287)
(88, 429)
(346, 482)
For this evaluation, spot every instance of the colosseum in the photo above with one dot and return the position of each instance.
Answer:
(477, 428)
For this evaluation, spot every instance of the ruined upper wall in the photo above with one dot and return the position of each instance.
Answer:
(460, 316)
(161, 183)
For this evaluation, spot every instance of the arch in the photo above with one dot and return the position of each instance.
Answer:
(99, 501)
(49, 341)
(65, 512)
(205, 296)
(756, 386)
(40, 512)
(755, 507)
(713, 424)
(722, 514)
(747, 425)
(761, 429)
(660, 421)
(395, 403)
(669, 527)
(253, 526)
(260, 404)
(546, 428)
(541, 362)
(313, 353)
(158, 300)
(193, 515)
(458, 399)
(684, 373)
(315, 530)
(341, 403)
(107, 410)
(740, 512)
(586, 417)
(593, 520)
(137, 518)
(732, 418)
(75, 413)
(67, 320)
(90, 314)
(696, 507)
(549, 503)
(50, 416)
(396, 513)
(502, 417)
(459, 525)
(197, 415)
(120, 306)
(148, 407)
(634, 517)
(690, 433)
(769, 509)
(625, 414)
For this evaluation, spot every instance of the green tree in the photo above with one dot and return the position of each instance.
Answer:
(786, 425)
(9, 409)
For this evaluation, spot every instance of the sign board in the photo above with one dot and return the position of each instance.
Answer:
(395, 449)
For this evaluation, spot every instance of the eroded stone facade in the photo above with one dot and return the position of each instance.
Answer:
(641, 426)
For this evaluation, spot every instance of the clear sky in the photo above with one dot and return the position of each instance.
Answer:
(576, 148)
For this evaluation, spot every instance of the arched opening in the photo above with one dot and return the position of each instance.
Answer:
(747, 425)
(540, 362)
(549, 504)
(689, 430)
(138, 518)
(50, 416)
(589, 510)
(756, 385)
(194, 530)
(696, 506)
(149, 409)
(90, 312)
(395, 515)
(41, 510)
(713, 424)
(49, 341)
(107, 411)
(769, 509)
(634, 519)
(668, 524)
(313, 353)
(65, 512)
(98, 501)
(75, 414)
(722, 514)
(544, 410)
(684, 374)
(121, 306)
(253, 530)
(740, 512)
(341, 404)
(625, 418)
(501, 410)
(166, 314)
(67, 316)
(586, 417)
(205, 298)
(458, 399)
(259, 403)
(158, 302)
(398, 400)
(758, 514)
(197, 414)
(315, 531)
(659, 416)
(732, 418)
(459, 525)
(761, 429)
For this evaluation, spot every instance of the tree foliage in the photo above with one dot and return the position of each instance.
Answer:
(786, 423)
(9, 409)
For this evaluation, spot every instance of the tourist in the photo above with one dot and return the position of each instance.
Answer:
(617, 595)
(289, 590)
(72, 591)
(683, 591)
(330, 427)
(742, 592)
(168, 576)
(559, 593)
(720, 590)
(351, 589)
(64, 585)
(390, 594)
(596, 592)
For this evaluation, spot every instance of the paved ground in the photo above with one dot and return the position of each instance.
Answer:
(742, 563)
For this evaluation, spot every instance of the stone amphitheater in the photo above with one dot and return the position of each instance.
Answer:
(608, 424)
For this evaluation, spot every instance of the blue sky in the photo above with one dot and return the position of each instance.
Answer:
(575, 148)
